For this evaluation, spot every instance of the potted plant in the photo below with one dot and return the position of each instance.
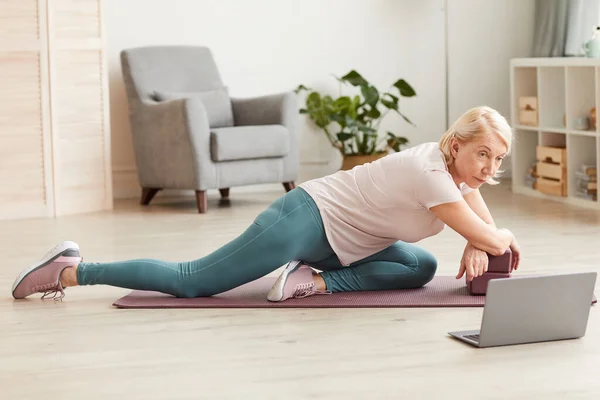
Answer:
(351, 123)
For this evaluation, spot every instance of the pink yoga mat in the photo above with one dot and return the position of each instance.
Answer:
(442, 291)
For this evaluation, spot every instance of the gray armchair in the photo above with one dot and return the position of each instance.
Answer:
(189, 134)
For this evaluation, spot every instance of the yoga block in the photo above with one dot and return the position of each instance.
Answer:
(479, 285)
(501, 263)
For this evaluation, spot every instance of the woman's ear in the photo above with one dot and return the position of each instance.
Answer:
(454, 146)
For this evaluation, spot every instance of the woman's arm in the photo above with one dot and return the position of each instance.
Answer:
(460, 217)
(477, 204)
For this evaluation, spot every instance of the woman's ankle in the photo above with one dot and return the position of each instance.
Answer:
(68, 276)
(319, 282)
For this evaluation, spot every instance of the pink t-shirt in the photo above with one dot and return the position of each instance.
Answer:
(374, 205)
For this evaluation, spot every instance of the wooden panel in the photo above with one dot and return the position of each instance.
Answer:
(79, 107)
(551, 154)
(75, 19)
(79, 97)
(82, 184)
(549, 170)
(54, 142)
(550, 186)
(22, 181)
(18, 23)
(78, 120)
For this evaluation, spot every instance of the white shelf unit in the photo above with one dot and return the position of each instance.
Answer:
(566, 87)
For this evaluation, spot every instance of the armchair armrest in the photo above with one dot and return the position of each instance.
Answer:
(172, 144)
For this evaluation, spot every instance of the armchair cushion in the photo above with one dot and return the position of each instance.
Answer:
(248, 142)
(216, 102)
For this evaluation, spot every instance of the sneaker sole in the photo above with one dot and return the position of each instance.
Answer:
(57, 251)
(276, 292)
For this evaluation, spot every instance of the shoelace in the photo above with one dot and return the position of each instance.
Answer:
(306, 289)
(54, 291)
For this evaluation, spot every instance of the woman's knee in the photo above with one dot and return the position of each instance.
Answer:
(427, 267)
(422, 263)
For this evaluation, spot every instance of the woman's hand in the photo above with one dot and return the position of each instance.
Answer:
(474, 262)
(516, 254)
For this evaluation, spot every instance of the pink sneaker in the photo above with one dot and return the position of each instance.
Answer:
(44, 275)
(295, 281)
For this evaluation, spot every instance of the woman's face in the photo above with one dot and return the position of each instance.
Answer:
(477, 160)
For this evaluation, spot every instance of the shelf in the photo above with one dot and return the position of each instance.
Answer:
(524, 85)
(582, 151)
(551, 98)
(583, 133)
(523, 156)
(591, 133)
(581, 96)
(527, 128)
(566, 91)
(553, 139)
(554, 130)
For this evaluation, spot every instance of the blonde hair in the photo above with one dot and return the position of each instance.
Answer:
(477, 123)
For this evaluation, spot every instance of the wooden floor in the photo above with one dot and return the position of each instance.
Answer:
(85, 348)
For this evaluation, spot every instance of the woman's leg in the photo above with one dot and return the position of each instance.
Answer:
(289, 229)
(400, 266)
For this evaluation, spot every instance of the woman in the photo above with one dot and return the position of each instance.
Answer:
(354, 226)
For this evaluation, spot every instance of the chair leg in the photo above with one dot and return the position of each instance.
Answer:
(289, 186)
(224, 193)
(147, 195)
(201, 201)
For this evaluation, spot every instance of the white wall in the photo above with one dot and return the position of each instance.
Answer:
(483, 35)
(265, 46)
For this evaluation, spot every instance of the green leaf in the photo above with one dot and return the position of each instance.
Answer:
(374, 113)
(314, 100)
(405, 89)
(301, 88)
(406, 118)
(396, 141)
(355, 79)
(350, 122)
(370, 94)
(342, 137)
(353, 107)
(319, 109)
(364, 128)
(400, 139)
(342, 104)
(340, 119)
(391, 103)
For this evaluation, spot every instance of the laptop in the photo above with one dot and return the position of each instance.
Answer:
(532, 309)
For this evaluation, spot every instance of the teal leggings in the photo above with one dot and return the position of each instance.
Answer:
(289, 229)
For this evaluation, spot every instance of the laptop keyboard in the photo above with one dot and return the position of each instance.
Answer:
(473, 337)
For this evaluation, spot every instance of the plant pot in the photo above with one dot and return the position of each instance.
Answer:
(351, 161)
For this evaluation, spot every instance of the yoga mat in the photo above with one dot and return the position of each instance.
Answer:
(442, 291)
